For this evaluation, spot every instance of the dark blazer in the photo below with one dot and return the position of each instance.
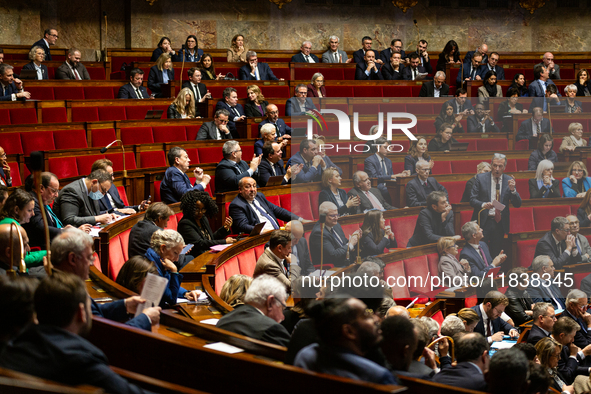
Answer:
(477, 265)
(293, 112)
(390, 74)
(386, 54)
(577, 104)
(334, 253)
(535, 335)
(428, 89)
(467, 72)
(52, 353)
(44, 72)
(281, 127)
(227, 175)
(547, 247)
(104, 202)
(568, 367)
(313, 92)
(360, 74)
(498, 324)
(410, 164)
(309, 173)
(369, 247)
(424, 62)
(547, 293)
(117, 311)
(64, 72)
(536, 192)
(481, 194)
(253, 111)
(10, 90)
(248, 321)
(586, 285)
(128, 92)
(173, 113)
(303, 253)
(265, 73)
(73, 206)
(156, 54)
(265, 172)
(359, 55)
(467, 105)
(582, 336)
(474, 126)
(373, 167)
(35, 228)
(174, 184)
(525, 131)
(407, 72)
(188, 228)
(519, 302)
(416, 195)
(186, 55)
(503, 111)
(326, 195)
(139, 237)
(245, 218)
(470, 54)
(581, 89)
(441, 62)
(464, 375)
(468, 189)
(583, 217)
(155, 79)
(365, 203)
(208, 131)
(430, 228)
(537, 156)
(484, 69)
(231, 124)
(299, 58)
(41, 43)
(436, 146)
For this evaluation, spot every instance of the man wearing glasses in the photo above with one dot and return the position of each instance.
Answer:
(576, 309)
(544, 318)
(395, 47)
(50, 37)
(300, 104)
(422, 185)
(559, 244)
(217, 129)
(543, 290)
(491, 325)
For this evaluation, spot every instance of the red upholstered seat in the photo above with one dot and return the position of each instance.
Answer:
(403, 228)
(102, 137)
(136, 112)
(97, 262)
(522, 220)
(11, 142)
(525, 252)
(137, 135)
(124, 243)
(117, 159)
(15, 174)
(286, 202)
(4, 116)
(23, 116)
(340, 91)
(98, 92)
(367, 91)
(470, 301)
(464, 166)
(96, 73)
(55, 115)
(156, 196)
(247, 152)
(433, 262)
(522, 145)
(69, 139)
(37, 140)
(365, 109)
(116, 259)
(455, 190)
(169, 133)
(465, 217)
(314, 204)
(522, 184)
(173, 223)
(301, 206)
(420, 109)
(191, 132)
(495, 144)
(441, 167)
(111, 113)
(246, 262)
(391, 107)
(543, 215)
(417, 267)
(84, 163)
(123, 195)
(210, 155)
(276, 91)
(63, 167)
(231, 267)
(68, 92)
(397, 91)
(85, 114)
(349, 229)
(152, 159)
(392, 272)
(41, 92)
(258, 251)
(193, 155)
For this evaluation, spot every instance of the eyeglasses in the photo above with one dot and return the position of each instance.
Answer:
(54, 35)
(52, 190)
(302, 93)
(553, 317)
(283, 304)
(201, 210)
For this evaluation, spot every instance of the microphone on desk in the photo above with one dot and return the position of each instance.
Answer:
(36, 167)
(103, 150)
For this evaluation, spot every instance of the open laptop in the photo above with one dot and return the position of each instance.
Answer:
(459, 146)
(154, 114)
(257, 229)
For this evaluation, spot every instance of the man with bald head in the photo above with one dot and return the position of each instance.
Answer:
(368, 69)
(282, 129)
(72, 68)
(482, 50)
(398, 310)
(548, 62)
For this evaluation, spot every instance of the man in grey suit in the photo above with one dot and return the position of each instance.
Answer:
(548, 62)
(419, 188)
(72, 68)
(581, 241)
(371, 198)
(216, 129)
(334, 54)
(78, 202)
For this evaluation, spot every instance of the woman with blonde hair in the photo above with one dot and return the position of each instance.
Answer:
(575, 139)
(548, 352)
(234, 289)
(576, 183)
(469, 317)
(183, 106)
(331, 181)
(375, 236)
(449, 266)
(237, 51)
(544, 185)
(160, 73)
(37, 56)
(256, 105)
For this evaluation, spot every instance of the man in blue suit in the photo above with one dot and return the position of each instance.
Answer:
(255, 71)
(134, 89)
(301, 103)
(368, 69)
(11, 88)
(470, 70)
(175, 182)
(559, 244)
(495, 223)
(395, 46)
(250, 208)
(482, 50)
(543, 317)
(230, 104)
(232, 168)
(50, 37)
(379, 166)
(313, 163)
(493, 59)
(538, 87)
(476, 252)
(282, 130)
(359, 55)
(272, 165)
(533, 127)
(436, 220)
(461, 103)
(305, 56)
(545, 290)
(490, 324)
(419, 188)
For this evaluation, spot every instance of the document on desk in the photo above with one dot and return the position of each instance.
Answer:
(503, 344)
(223, 347)
(152, 292)
(94, 231)
(498, 205)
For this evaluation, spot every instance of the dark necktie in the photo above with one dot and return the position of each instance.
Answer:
(307, 58)
(473, 74)
(238, 168)
(336, 237)
(488, 329)
(498, 198)
(277, 130)
(266, 215)
(384, 167)
(414, 74)
(138, 93)
(107, 202)
(286, 266)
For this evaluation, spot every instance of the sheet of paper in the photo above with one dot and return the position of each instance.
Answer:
(181, 300)
(219, 248)
(502, 345)
(94, 231)
(152, 292)
(223, 347)
(213, 322)
(498, 205)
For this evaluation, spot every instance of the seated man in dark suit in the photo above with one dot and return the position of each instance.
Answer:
(543, 317)
(347, 333)
(412, 72)
(472, 361)
(368, 69)
(482, 50)
(422, 185)
(423, 56)
(301, 103)
(334, 244)
(370, 197)
(469, 71)
(533, 127)
(393, 69)
(272, 165)
(559, 244)
(11, 88)
(255, 71)
(461, 103)
(50, 37)
(217, 129)
(576, 309)
(508, 372)
(250, 208)
(434, 221)
(571, 357)
(491, 325)
(359, 55)
(54, 349)
(155, 218)
(395, 47)
(379, 166)
(282, 130)
(493, 59)
(232, 168)
(199, 90)
(545, 291)
(261, 313)
(175, 182)
(300, 254)
(305, 56)
(476, 252)
(520, 303)
(435, 88)
(482, 121)
(72, 68)
(134, 89)
(312, 162)
(230, 104)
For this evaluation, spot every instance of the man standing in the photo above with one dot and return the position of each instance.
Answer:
(255, 71)
(313, 163)
(134, 89)
(305, 56)
(217, 129)
(334, 54)
(422, 185)
(175, 182)
(368, 69)
(490, 189)
(199, 90)
(434, 221)
(11, 88)
(301, 103)
(493, 59)
(548, 62)
(275, 259)
(436, 87)
(50, 37)
(232, 168)
(230, 104)
(476, 252)
(481, 122)
(370, 197)
(72, 68)
(559, 244)
(282, 130)
(490, 323)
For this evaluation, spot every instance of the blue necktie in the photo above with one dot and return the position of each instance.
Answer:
(54, 216)
(334, 234)
(266, 215)
(578, 247)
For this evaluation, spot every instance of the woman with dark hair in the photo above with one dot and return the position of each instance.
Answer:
(164, 46)
(197, 206)
(582, 83)
(450, 54)
(331, 191)
(207, 68)
(489, 87)
(256, 105)
(160, 73)
(192, 52)
(511, 106)
(37, 56)
(577, 181)
(375, 235)
(544, 152)
(237, 51)
(447, 116)
(133, 274)
(443, 139)
(183, 106)
(418, 149)
(584, 211)
(520, 84)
